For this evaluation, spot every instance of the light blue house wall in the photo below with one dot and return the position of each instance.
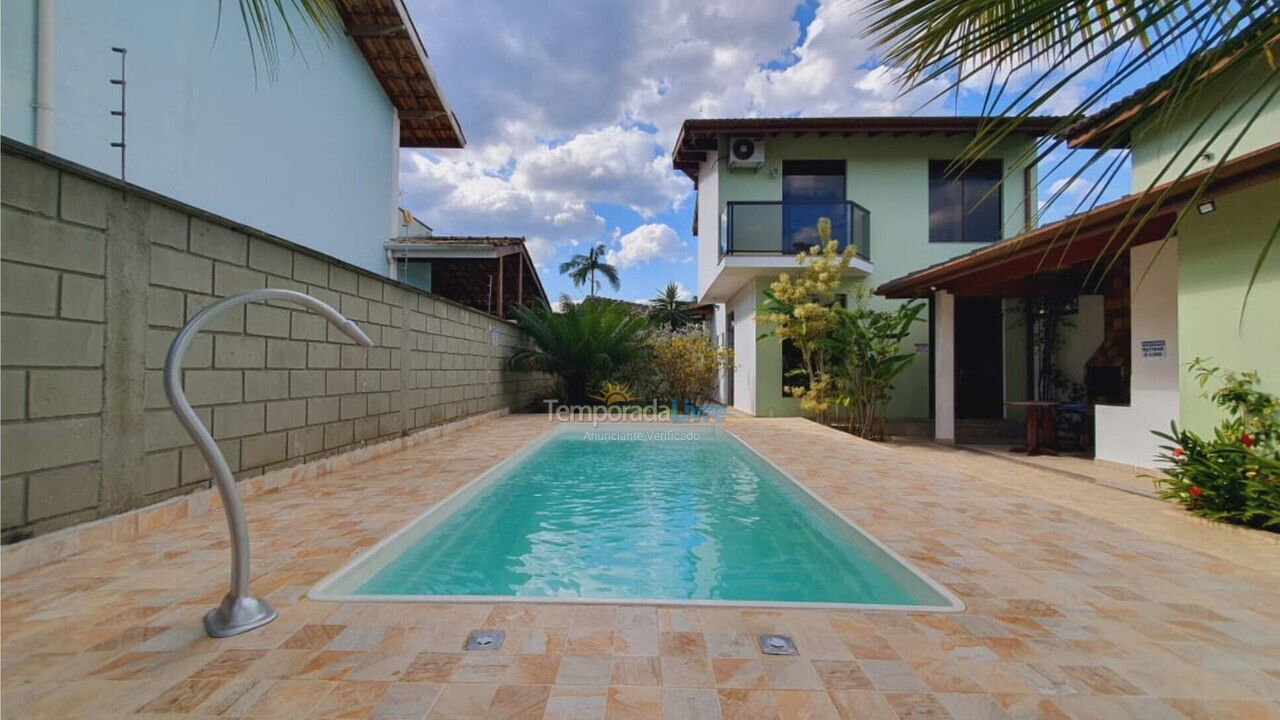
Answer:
(309, 156)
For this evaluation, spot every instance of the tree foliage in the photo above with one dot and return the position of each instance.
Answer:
(1235, 474)
(800, 311)
(685, 366)
(580, 345)
(667, 310)
(1031, 53)
(265, 20)
(582, 269)
(865, 356)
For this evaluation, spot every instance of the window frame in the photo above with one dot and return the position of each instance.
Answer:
(940, 165)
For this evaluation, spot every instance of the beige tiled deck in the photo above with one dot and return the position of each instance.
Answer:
(1070, 614)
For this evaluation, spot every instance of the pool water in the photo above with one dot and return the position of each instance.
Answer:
(651, 514)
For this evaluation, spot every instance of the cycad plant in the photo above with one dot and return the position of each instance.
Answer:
(580, 345)
(667, 310)
(1031, 53)
(582, 269)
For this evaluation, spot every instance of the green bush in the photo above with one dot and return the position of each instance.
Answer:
(581, 346)
(1233, 476)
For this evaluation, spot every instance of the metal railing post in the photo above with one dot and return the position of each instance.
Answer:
(239, 611)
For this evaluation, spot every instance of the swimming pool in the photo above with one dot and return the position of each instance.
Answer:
(636, 513)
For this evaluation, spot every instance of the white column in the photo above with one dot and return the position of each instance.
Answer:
(944, 367)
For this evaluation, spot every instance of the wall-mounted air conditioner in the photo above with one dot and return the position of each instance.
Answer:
(746, 152)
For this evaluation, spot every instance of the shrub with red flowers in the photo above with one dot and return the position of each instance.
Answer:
(1233, 476)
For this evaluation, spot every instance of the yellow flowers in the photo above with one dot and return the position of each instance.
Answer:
(800, 311)
(688, 365)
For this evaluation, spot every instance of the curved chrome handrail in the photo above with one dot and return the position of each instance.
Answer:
(239, 611)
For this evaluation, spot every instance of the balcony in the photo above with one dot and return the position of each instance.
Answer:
(778, 228)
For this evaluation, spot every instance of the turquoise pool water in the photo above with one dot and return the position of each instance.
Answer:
(651, 514)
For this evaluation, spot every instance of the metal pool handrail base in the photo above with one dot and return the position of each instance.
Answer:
(239, 611)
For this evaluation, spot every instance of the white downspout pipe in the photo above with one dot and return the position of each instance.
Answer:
(44, 75)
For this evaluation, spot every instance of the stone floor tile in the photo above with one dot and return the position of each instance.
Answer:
(690, 704)
(747, 705)
(634, 703)
(635, 670)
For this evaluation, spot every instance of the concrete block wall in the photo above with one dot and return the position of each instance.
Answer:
(97, 279)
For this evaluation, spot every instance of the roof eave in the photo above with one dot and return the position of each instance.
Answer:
(425, 119)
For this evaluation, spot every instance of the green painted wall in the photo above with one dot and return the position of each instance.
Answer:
(1216, 255)
(890, 177)
(1162, 138)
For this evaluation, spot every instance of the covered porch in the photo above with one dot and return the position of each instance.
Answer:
(1098, 298)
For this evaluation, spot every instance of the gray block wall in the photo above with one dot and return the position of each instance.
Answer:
(98, 277)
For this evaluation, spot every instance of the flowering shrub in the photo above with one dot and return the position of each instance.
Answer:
(1235, 475)
(684, 366)
(801, 311)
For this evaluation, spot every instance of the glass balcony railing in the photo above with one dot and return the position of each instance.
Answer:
(778, 228)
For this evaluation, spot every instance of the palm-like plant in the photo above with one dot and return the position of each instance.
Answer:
(580, 345)
(1031, 50)
(264, 19)
(583, 268)
(668, 310)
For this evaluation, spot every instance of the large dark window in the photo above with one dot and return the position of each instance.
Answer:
(811, 189)
(960, 209)
(793, 374)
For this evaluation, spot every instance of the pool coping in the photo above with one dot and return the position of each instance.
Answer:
(320, 591)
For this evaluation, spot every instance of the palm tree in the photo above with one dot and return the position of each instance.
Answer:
(583, 268)
(667, 309)
(579, 345)
(1049, 44)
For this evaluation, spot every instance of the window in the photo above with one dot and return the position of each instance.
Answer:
(812, 189)
(958, 211)
(792, 361)
(415, 272)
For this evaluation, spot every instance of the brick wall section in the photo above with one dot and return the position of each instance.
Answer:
(97, 278)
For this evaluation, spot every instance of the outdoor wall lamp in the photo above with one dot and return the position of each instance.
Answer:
(239, 611)
(1206, 207)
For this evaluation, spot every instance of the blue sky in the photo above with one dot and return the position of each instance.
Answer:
(571, 112)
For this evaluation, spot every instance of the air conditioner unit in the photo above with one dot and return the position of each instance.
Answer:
(746, 152)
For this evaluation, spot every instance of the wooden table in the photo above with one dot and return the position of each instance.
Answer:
(1040, 430)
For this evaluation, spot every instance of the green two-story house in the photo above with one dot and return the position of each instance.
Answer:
(887, 185)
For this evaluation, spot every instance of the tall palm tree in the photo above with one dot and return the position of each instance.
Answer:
(580, 345)
(583, 268)
(1049, 44)
(668, 310)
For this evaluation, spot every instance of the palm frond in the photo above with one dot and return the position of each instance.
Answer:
(1031, 50)
(264, 21)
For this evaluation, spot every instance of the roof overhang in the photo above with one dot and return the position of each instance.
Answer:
(699, 136)
(1112, 127)
(450, 250)
(1010, 268)
(385, 35)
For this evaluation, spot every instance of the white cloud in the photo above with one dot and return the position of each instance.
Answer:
(1070, 187)
(567, 111)
(610, 165)
(652, 241)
